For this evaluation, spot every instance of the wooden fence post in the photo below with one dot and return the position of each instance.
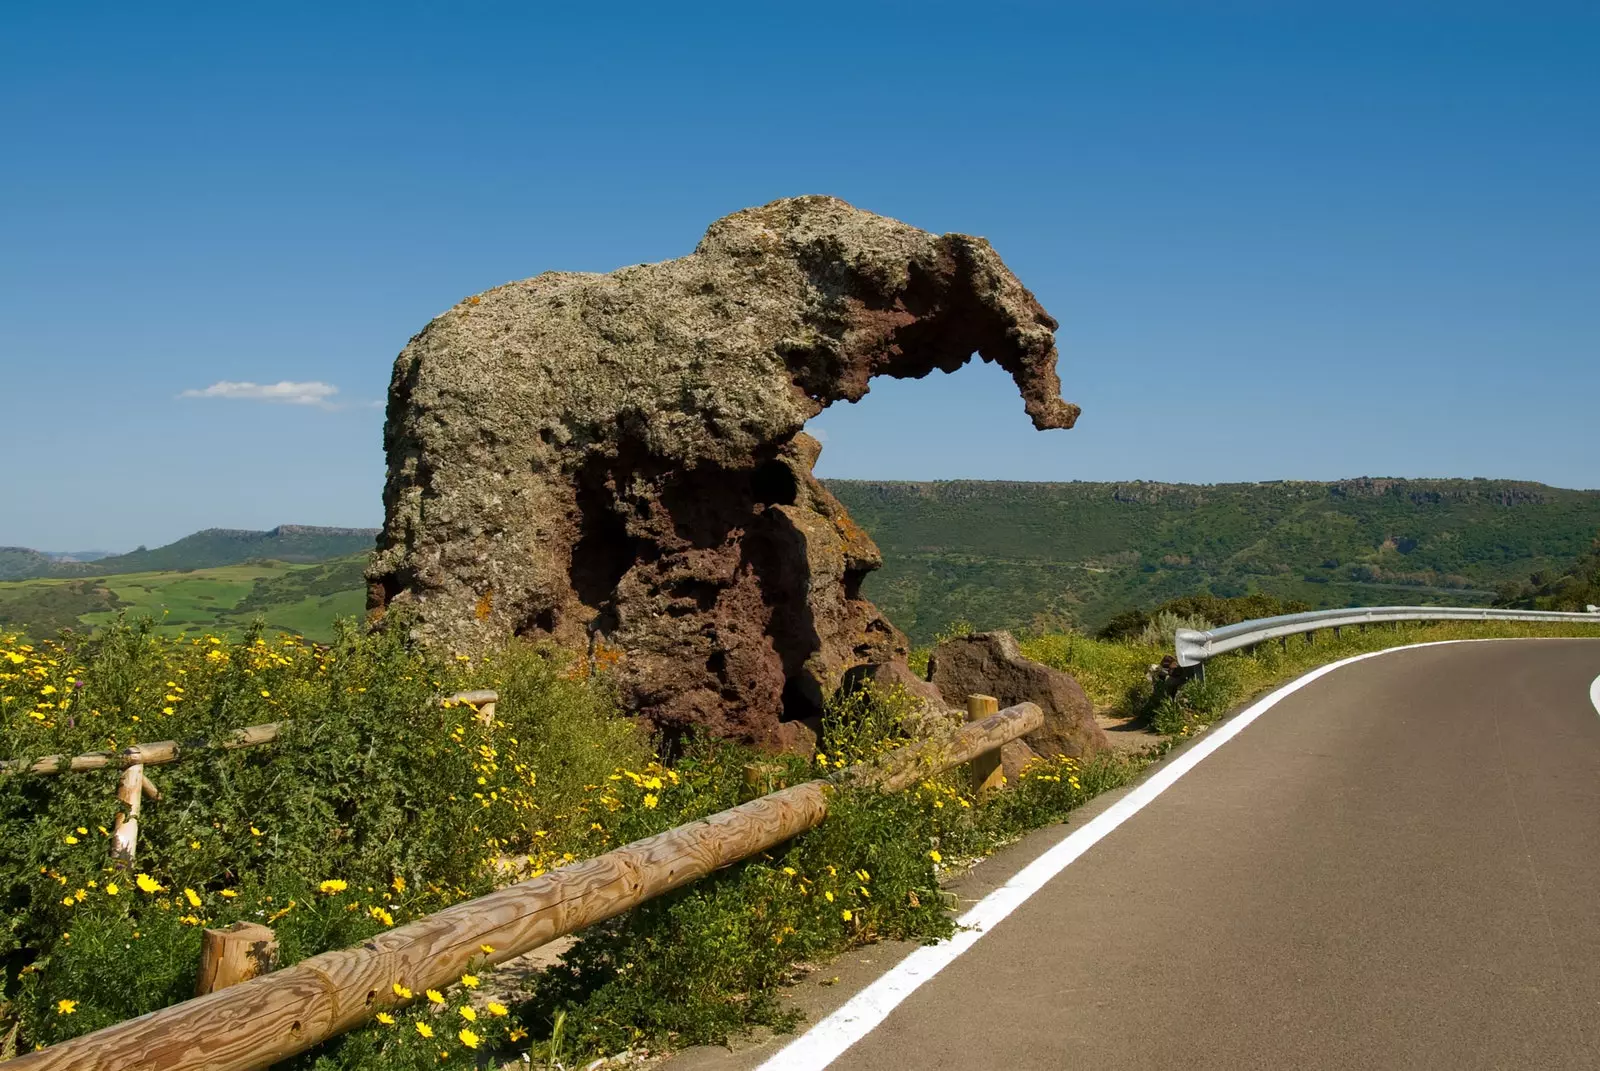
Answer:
(125, 836)
(235, 954)
(986, 769)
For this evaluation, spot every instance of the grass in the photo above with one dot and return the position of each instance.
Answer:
(302, 600)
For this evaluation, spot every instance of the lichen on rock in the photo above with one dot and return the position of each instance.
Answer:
(619, 459)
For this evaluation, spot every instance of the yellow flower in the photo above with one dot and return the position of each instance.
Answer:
(935, 856)
(334, 885)
(192, 896)
(146, 883)
(70, 839)
(470, 981)
(112, 889)
(517, 1035)
(66, 1007)
(265, 694)
(67, 901)
(229, 893)
(789, 870)
(48, 689)
(845, 914)
(425, 1030)
(434, 996)
(382, 916)
(401, 991)
(468, 1038)
(83, 829)
(496, 1009)
(385, 1018)
(828, 896)
(488, 950)
(399, 883)
(650, 800)
(468, 1013)
(254, 832)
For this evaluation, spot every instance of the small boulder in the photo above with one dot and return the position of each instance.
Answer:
(991, 663)
(932, 714)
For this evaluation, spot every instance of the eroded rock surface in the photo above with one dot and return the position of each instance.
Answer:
(991, 663)
(618, 459)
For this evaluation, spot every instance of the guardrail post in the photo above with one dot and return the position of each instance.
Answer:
(986, 770)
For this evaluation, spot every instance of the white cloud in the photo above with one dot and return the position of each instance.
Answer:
(286, 393)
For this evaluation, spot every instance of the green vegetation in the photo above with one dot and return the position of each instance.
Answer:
(1575, 589)
(380, 805)
(1038, 556)
(383, 805)
(301, 600)
(1046, 556)
(213, 547)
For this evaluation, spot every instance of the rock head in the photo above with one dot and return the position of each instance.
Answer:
(616, 462)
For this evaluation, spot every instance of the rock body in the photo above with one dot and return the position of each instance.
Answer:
(991, 663)
(617, 462)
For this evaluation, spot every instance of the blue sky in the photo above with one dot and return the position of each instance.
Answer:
(1283, 240)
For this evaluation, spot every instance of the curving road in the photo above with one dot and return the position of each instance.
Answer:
(1398, 865)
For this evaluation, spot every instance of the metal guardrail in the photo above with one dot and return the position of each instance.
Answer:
(1193, 648)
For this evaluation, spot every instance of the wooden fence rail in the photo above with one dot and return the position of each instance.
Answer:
(155, 753)
(273, 1017)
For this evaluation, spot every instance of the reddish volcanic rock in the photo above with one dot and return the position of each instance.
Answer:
(616, 461)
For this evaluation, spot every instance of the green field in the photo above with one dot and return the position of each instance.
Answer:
(303, 599)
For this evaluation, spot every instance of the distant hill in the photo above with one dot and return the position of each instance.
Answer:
(993, 554)
(1008, 554)
(304, 599)
(293, 543)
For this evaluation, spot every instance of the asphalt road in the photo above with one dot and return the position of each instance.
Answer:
(1397, 866)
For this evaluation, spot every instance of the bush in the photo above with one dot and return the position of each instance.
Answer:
(376, 805)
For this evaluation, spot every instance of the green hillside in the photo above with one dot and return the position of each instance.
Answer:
(993, 554)
(303, 599)
(293, 543)
(1574, 590)
(998, 554)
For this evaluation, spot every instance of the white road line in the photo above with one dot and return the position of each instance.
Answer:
(1594, 694)
(827, 1041)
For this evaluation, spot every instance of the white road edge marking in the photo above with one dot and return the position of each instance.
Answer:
(827, 1041)
(1594, 694)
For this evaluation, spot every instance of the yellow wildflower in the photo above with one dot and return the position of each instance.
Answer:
(468, 1038)
(470, 981)
(112, 889)
(192, 896)
(385, 1018)
(401, 991)
(935, 856)
(650, 800)
(334, 885)
(66, 1007)
(146, 883)
(425, 1030)
(70, 839)
(434, 996)
(468, 1013)
(496, 1009)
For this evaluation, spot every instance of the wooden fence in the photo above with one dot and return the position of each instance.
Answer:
(275, 1016)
